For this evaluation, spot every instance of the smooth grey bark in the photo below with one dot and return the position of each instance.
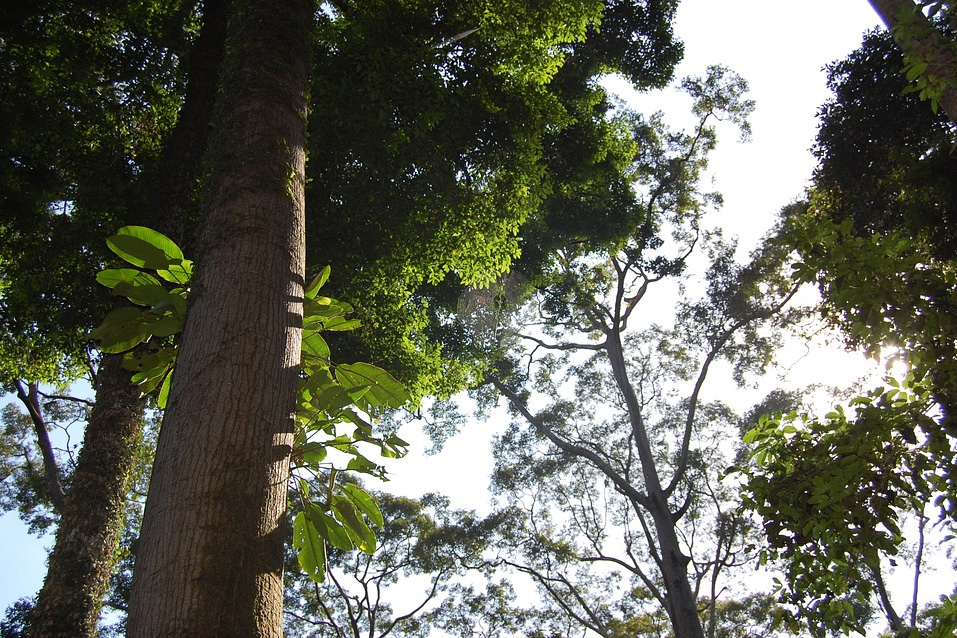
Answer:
(211, 548)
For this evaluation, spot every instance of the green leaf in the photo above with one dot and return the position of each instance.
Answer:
(317, 283)
(310, 548)
(144, 294)
(313, 344)
(329, 528)
(313, 453)
(145, 247)
(338, 324)
(113, 276)
(122, 329)
(384, 391)
(357, 529)
(164, 390)
(364, 503)
(180, 273)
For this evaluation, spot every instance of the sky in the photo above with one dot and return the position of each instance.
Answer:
(781, 49)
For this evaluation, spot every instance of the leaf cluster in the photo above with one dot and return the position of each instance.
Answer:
(329, 395)
(831, 493)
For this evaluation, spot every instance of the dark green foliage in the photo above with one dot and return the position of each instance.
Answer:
(86, 96)
(886, 161)
(442, 150)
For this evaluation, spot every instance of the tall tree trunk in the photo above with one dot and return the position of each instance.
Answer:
(680, 600)
(927, 42)
(91, 517)
(211, 548)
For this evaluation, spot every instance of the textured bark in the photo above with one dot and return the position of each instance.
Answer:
(932, 46)
(91, 520)
(211, 547)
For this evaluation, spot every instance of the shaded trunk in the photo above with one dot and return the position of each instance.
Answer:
(91, 517)
(91, 521)
(173, 185)
(926, 43)
(211, 548)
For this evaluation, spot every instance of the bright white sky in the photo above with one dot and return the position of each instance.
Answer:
(780, 48)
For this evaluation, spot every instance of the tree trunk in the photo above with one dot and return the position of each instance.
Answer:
(680, 600)
(90, 523)
(211, 548)
(91, 518)
(929, 44)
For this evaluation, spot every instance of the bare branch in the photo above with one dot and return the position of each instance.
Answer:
(713, 354)
(30, 399)
(620, 483)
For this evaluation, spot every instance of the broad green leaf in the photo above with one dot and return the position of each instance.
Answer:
(122, 329)
(145, 248)
(329, 528)
(313, 453)
(364, 503)
(332, 399)
(154, 238)
(180, 273)
(144, 294)
(385, 391)
(310, 548)
(357, 529)
(313, 344)
(113, 276)
(165, 326)
(338, 324)
(147, 384)
(317, 283)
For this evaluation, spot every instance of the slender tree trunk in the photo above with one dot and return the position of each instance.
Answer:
(211, 548)
(91, 517)
(91, 520)
(180, 162)
(929, 44)
(680, 600)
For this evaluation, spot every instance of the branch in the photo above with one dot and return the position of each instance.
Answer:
(565, 446)
(562, 346)
(430, 596)
(51, 470)
(63, 397)
(895, 622)
(592, 622)
(715, 351)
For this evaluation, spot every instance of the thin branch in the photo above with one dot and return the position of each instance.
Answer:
(30, 399)
(63, 397)
(917, 564)
(435, 589)
(570, 448)
(713, 354)
(561, 346)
